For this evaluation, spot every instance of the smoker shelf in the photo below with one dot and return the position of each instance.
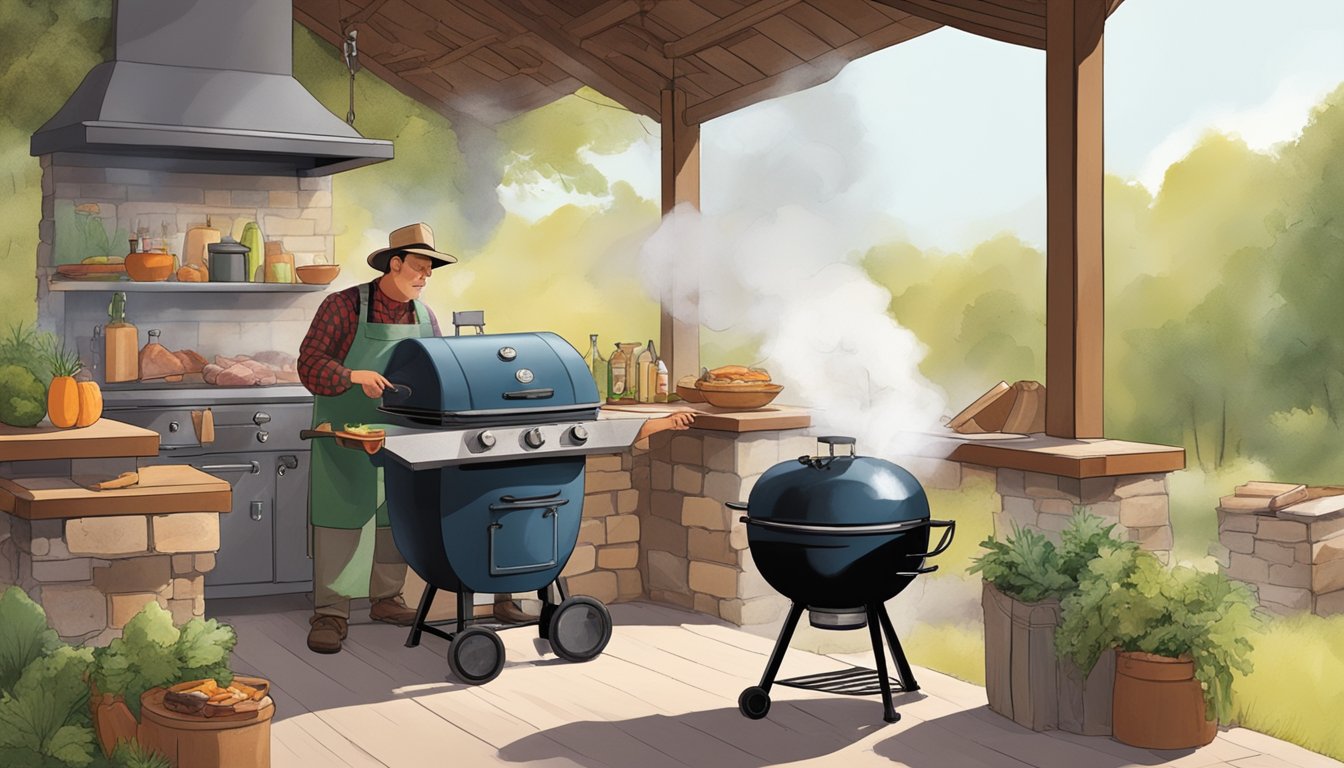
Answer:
(108, 286)
(855, 681)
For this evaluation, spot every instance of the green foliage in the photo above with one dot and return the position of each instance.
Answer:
(1027, 566)
(24, 346)
(1127, 599)
(61, 360)
(152, 652)
(23, 399)
(24, 636)
(44, 720)
(130, 754)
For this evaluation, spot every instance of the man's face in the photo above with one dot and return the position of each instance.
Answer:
(410, 273)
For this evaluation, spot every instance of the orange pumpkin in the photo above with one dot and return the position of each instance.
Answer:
(90, 403)
(63, 401)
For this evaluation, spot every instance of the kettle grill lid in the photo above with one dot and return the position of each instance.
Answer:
(838, 490)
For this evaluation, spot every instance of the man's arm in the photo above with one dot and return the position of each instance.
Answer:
(326, 345)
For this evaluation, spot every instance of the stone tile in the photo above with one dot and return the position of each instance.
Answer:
(593, 532)
(1293, 575)
(627, 501)
(186, 589)
(597, 584)
(687, 449)
(704, 513)
(1235, 521)
(1282, 530)
(217, 197)
(74, 610)
(1040, 485)
(606, 481)
(186, 532)
(718, 453)
(599, 504)
(1326, 529)
(1238, 542)
(666, 504)
(713, 579)
(760, 610)
(183, 564)
(660, 475)
(1330, 604)
(315, 198)
(629, 584)
(679, 599)
(77, 569)
(1144, 511)
(1052, 523)
(668, 573)
(1011, 482)
(1293, 598)
(622, 528)
(755, 454)
(658, 534)
(1020, 510)
(712, 546)
(1060, 507)
(1275, 552)
(707, 605)
(737, 535)
(181, 610)
(1140, 485)
(283, 198)
(639, 477)
(1157, 539)
(604, 463)
(617, 556)
(113, 535)
(750, 582)
(724, 486)
(1325, 577)
(582, 560)
(136, 574)
(1248, 568)
(688, 480)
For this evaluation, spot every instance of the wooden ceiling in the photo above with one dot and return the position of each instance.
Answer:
(494, 59)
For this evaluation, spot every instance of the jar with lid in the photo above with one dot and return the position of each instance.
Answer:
(622, 374)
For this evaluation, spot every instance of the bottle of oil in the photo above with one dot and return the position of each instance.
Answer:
(622, 373)
(648, 373)
(597, 366)
(121, 358)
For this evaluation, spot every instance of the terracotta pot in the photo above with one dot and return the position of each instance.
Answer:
(112, 720)
(1158, 703)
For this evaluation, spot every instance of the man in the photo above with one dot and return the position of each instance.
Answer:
(341, 362)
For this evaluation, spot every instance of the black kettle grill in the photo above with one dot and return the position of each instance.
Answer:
(839, 536)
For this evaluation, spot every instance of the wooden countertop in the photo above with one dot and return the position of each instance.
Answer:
(1090, 457)
(103, 439)
(771, 417)
(162, 490)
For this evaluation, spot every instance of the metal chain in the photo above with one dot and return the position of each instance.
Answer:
(351, 64)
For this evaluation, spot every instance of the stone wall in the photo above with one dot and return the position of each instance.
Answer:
(605, 561)
(1293, 558)
(92, 574)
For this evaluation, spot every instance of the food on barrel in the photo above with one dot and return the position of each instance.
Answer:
(208, 698)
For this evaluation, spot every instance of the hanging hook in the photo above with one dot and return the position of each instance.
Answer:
(351, 55)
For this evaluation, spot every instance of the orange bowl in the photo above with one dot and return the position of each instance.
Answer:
(150, 267)
(318, 274)
(741, 399)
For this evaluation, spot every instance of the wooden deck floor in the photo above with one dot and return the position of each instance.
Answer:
(663, 695)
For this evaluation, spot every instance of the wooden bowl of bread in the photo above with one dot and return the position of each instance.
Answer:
(737, 387)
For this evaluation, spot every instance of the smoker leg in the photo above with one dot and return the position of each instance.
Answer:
(908, 683)
(426, 600)
(466, 609)
(889, 712)
(755, 701)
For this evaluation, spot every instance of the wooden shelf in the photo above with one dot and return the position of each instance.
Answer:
(1099, 457)
(168, 286)
(771, 417)
(163, 489)
(104, 439)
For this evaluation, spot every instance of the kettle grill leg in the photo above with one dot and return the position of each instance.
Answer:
(417, 626)
(889, 712)
(755, 701)
(908, 683)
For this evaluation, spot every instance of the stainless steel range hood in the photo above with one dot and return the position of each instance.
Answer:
(203, 86)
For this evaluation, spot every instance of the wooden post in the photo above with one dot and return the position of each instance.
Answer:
(679, 338)
(1074, 296)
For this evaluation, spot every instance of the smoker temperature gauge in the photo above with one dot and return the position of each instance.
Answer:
(507, 353)
(534, 438)
(579, 434)
(486, 439)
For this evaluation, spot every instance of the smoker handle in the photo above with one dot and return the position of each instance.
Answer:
(533, 504)
(943, 543)
(738, 505)
(307, 434)
(251, 467)
(509, 498)
(530, 394)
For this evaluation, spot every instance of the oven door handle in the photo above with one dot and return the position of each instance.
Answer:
(528, 504)
(251, 467)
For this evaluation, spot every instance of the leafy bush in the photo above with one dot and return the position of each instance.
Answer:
(152, 652)
(24, 636)
(44, 720)
(130, 754)
(1027, 566)
(24, 347)
(1128, 600)
(23, 399)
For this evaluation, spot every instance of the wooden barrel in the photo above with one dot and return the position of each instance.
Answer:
(191, 741)
(1158, 703)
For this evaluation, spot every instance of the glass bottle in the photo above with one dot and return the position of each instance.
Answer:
(647, 371)
(622, 373)
(597, 366)
(660, 389)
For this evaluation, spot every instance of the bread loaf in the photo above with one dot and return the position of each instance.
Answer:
(210, 373)
(730, 373)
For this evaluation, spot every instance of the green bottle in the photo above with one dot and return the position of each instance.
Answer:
(598, 366)
(256, 251)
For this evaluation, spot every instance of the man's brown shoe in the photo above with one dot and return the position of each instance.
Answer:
(392, 610)
(508, 612)
(326, 633)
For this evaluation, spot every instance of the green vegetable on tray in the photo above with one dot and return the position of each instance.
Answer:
(363, 429)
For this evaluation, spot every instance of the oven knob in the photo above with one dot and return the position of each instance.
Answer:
(263, 436)
(534, 438)
(486, 439)
(579, 434)
(260, 417)
(507, 354)
(173, 426)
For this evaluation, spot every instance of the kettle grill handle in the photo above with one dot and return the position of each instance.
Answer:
(945, 541)
(830, 441)
(738, 505)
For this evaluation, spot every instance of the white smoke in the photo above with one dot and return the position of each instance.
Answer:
(790, 207)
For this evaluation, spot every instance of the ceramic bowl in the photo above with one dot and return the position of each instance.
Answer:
(150, 267)
(318, 274)
(742, 399)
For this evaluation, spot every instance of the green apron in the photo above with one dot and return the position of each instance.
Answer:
(346, 489)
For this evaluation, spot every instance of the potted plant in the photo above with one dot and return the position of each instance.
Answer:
(1025, 576)
(1179, 634)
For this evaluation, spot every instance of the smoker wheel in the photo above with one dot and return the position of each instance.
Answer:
(476, 655)
(579, 629)
(754, 702)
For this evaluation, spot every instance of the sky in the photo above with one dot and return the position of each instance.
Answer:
(954, 124)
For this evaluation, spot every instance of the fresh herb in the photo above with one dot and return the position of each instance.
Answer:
(1127, 599)
(130, 754)
(61, 361)
(1029, 567)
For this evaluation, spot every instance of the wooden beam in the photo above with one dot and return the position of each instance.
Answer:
(451, 57)
(1074, 263)
(1114, 5)
(977, 23)
(362, 15)
(602, 18)
(716, 32)
(569, 56)
(679, 337)
(815, 72)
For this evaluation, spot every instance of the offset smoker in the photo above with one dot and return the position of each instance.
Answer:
(483, 469)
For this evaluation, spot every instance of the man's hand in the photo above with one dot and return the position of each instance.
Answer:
(372, 382)
(675, 421)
